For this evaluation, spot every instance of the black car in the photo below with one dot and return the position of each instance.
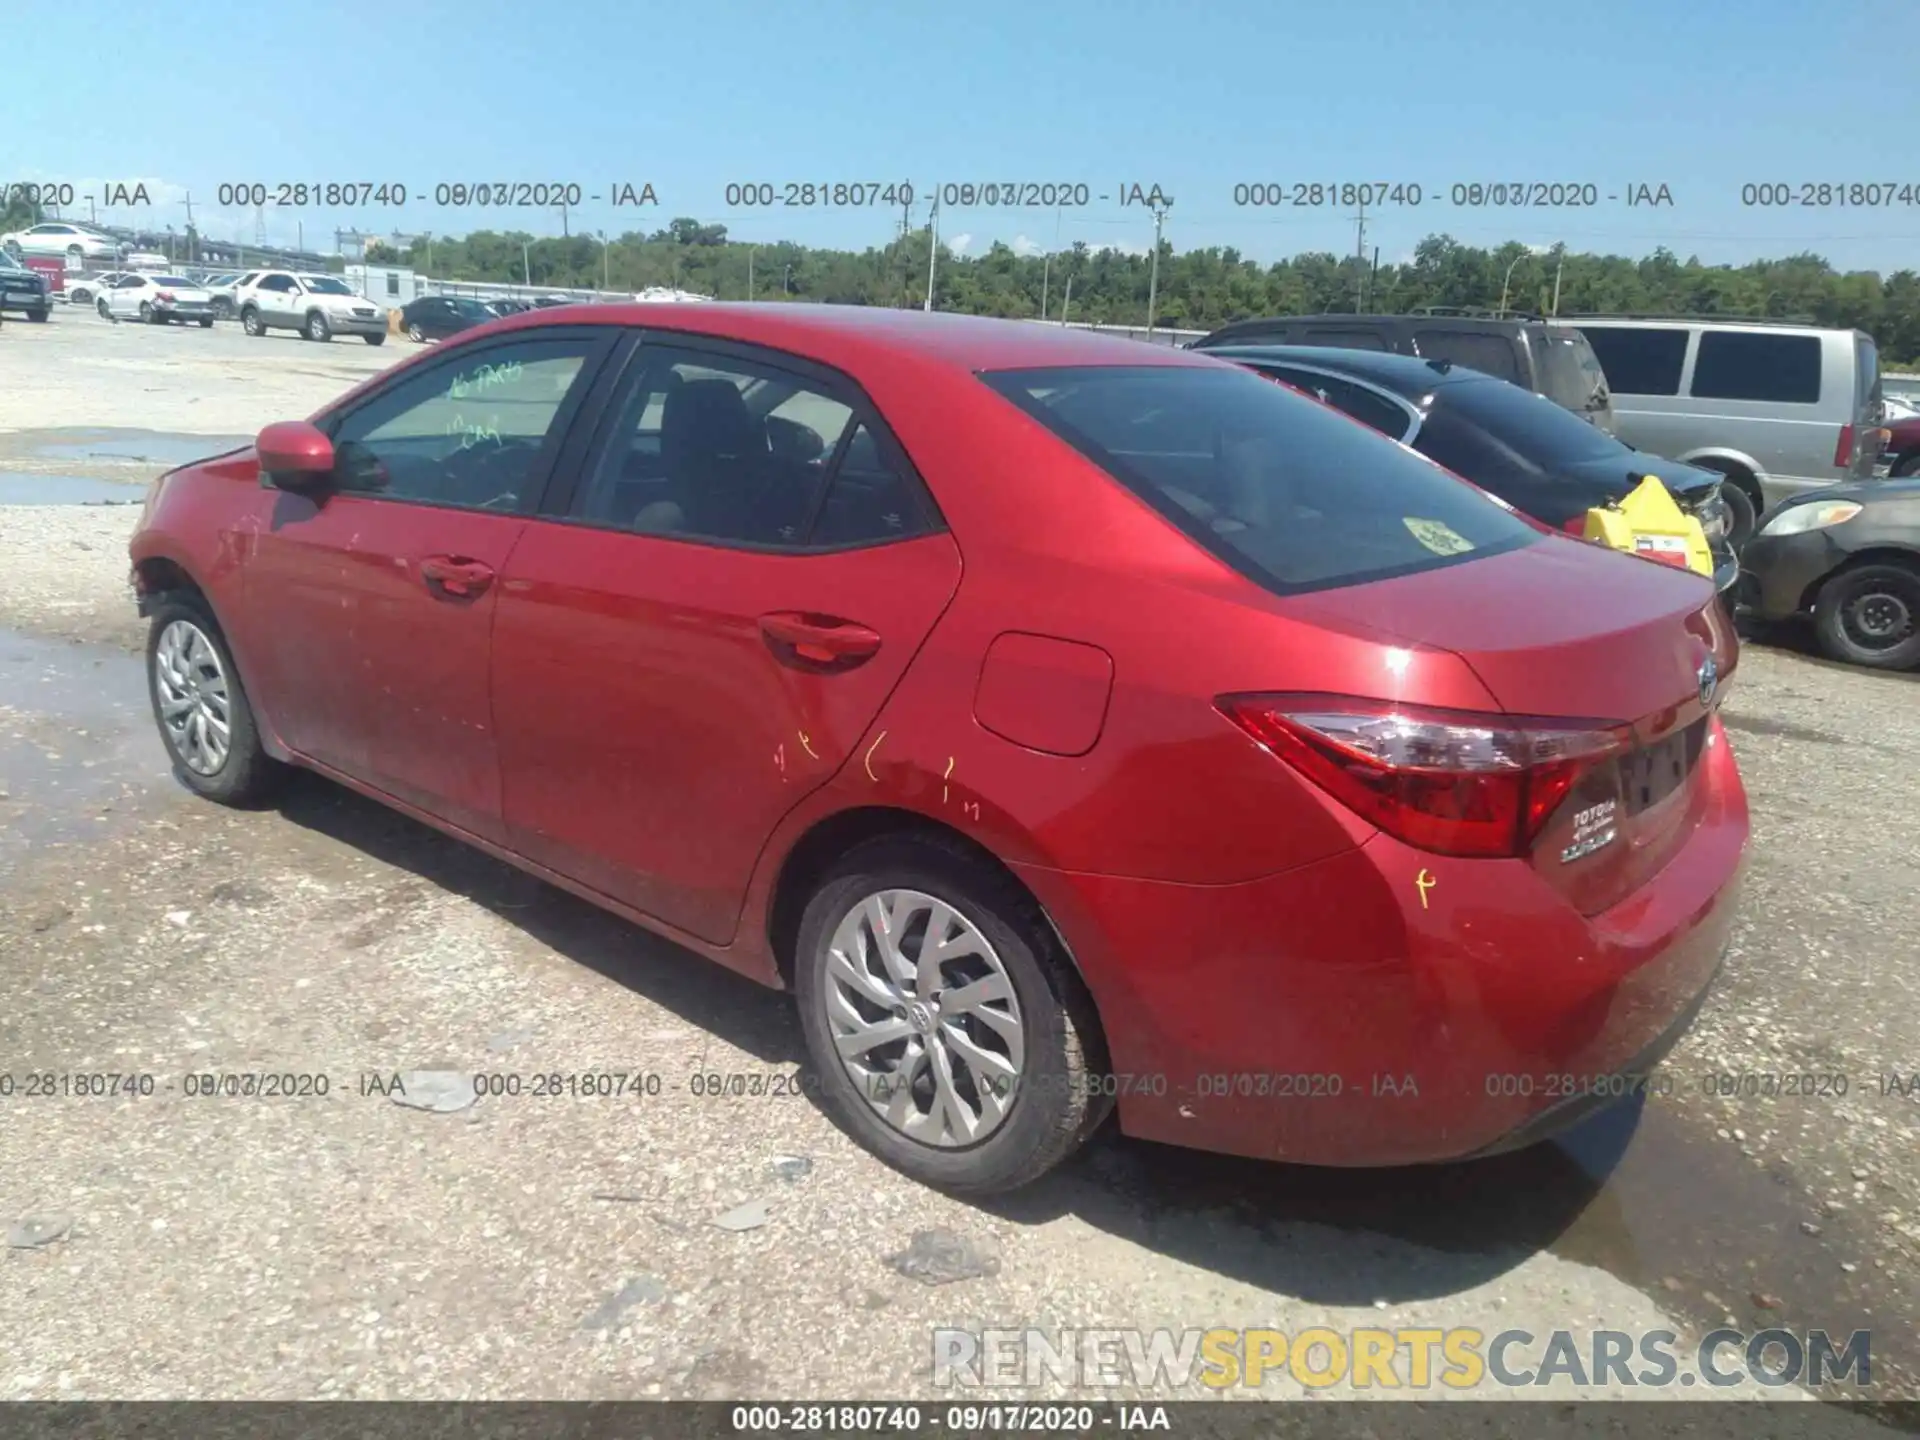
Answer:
(23, 290)
(1543, 356)
(1519, 446)
(1849, 555)
(435, 317)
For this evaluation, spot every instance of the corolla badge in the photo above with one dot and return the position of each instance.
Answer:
(1709, 680)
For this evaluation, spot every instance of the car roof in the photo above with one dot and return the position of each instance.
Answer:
(1406, 375)
(1484, 324)
(851, 333)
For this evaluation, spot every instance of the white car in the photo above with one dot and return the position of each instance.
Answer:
(75, 242)
(158, 299)
(318, 306)
(86, 289)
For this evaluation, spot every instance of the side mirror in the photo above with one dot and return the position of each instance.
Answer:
(294, 456)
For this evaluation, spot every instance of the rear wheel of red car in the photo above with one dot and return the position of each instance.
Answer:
(1870, 615)
(201, 707)
(949, 1035)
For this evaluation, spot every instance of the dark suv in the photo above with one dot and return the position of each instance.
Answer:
(23, 289)
(1543, 356)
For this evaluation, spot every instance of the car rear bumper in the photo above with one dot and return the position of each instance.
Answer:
(1345, 1013)
(188, 310)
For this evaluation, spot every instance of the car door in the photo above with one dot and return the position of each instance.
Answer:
(126, 295)
(372, 604)
(733, 574)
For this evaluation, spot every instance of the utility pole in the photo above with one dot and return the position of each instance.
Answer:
(1360, 258)
(562, 207)
(526, 263)
(1558, 265)
(1153, 271)
(606, 263)
(750, 273)
(933, 246)
(1067, 304)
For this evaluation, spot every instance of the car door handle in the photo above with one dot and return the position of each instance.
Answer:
(451, 575)
(819, 639)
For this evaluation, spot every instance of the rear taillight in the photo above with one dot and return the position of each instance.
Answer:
(1453, 782)
(165, 295)
(1843, 452)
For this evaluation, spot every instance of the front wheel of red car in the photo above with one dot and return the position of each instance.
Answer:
(201, 707)
(949, 1035)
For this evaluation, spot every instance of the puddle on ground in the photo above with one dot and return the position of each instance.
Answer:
(77, 743)
(21, 487)
(151, 447)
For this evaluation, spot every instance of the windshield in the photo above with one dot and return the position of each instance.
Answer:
(1294, 495)
(1537, 430)
(325, 285)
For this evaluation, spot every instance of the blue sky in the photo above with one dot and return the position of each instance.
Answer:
(1701, 96)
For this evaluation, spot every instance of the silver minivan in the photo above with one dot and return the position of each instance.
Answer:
(1777, 407)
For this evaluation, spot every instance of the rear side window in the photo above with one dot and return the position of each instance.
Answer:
(1347, 338)
(1490, 354)
(1750, 365)
(1640, 360)
(1364, 405)
(1293, 495)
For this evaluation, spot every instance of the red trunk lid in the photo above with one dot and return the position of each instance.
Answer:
(1569, 630)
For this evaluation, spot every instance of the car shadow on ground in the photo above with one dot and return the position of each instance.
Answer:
(1256, 1222)
(1795, 637)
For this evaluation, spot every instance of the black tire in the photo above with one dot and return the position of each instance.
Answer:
(222, 307)
(39, 317)
(1742, 513)
(1059, 1101)
(101, 306)
(416, 334)
(149, 314)
(1907, 464)
(206, 322)
(247, 775)
(250, 321)
(317, 328)
(1855, 601)
(375, 339)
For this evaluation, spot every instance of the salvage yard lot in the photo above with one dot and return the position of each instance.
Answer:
(572, 1246)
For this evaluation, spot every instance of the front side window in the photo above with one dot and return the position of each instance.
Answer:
(1640, 359)
(1752, 365)
(718, 450)
(469, 434)
(1289, 493)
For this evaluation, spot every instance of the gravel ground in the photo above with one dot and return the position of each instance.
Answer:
(353, 1246)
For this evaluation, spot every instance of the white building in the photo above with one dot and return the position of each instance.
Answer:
(387, 285)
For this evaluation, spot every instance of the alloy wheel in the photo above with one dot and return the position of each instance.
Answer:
(195, 707)
(925, 1018)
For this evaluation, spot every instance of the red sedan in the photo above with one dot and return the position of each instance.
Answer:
(1066, 722)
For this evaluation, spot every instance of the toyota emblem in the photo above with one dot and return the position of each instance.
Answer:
(1709, 680)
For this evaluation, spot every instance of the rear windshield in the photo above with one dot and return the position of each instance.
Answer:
(1569, 370)
(1539, 431)
(1291, 493)
(1871, 405)
(183, 283)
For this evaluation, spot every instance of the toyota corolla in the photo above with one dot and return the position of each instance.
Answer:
(1069, 724)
